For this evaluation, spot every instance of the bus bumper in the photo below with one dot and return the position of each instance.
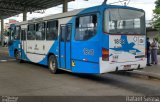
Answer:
(107, 66)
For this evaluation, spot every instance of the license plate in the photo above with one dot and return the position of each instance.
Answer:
(126, 67)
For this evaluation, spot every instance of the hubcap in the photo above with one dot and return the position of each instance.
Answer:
(52, 64)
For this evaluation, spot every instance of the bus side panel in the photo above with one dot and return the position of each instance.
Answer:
(54, 49)
(85, 56)
(104, 44)
(14, 46)
(85, 67)
(11, 53)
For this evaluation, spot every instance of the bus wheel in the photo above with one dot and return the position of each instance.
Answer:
(16, 54)
(52, 64)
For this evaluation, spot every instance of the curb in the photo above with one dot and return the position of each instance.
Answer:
(146, 74)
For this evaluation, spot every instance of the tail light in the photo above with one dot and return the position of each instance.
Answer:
(105, 54)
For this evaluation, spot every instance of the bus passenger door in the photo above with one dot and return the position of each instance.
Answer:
(65, 46)
(23, 44)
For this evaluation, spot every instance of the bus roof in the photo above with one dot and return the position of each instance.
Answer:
(75, 12)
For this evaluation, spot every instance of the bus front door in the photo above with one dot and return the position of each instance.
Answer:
(23, 44)
(65, 46)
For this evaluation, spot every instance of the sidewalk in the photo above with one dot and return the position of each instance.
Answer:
(150, 71)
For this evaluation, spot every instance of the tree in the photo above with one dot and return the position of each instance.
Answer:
(156, 19)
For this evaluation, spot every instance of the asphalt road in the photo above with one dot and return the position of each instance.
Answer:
(28, 79)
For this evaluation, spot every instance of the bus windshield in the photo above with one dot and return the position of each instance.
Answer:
(124, 21)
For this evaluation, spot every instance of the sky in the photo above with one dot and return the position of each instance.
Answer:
(147, 5)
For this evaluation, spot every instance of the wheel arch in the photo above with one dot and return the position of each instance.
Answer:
(49, 54)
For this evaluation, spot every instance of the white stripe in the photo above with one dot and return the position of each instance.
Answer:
(7, 60)
(3, 60)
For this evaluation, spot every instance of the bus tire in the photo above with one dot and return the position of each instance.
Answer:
(17, 56)
(52, 64)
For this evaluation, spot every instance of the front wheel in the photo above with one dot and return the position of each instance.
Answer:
(52, 64)
(17, 56)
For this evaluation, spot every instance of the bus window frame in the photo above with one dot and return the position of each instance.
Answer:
(28, 30)
(16, 32)
(83, 15)
(25, 32)
(46, 27)
(44, 38)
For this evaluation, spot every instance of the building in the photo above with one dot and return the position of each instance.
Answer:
(151, 31)
(6, 26)
(11, 21)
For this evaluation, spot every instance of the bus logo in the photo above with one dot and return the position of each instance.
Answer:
(119, 41)
(141, 41)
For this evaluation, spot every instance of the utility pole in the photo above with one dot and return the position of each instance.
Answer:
(25, 15)
(104, 2)
(2, 30)
(65, 5)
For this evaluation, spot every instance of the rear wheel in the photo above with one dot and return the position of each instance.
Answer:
(52, 64)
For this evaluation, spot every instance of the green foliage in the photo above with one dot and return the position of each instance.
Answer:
(157, 3)
(156, 19)
(157, 37)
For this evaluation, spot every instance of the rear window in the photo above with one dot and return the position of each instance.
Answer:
(124, 21)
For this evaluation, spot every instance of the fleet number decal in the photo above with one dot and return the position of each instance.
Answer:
(88, 51)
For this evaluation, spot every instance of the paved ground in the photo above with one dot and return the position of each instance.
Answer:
(154, 69)
(150, 71)
(28, 79)
(3, 50)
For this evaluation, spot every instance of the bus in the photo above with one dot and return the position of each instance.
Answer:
(95, 40)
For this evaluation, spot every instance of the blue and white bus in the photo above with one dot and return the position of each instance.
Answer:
(97, 40)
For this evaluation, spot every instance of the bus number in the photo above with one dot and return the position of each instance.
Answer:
(88, 51)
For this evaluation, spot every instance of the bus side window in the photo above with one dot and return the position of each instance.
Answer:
(23, 35)
(66, 31)
(69, 32)
(31, 32)
(40, 31)
(17, 34)
(52, 30)
(94, 20)
(86, 27)
(63, 32)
